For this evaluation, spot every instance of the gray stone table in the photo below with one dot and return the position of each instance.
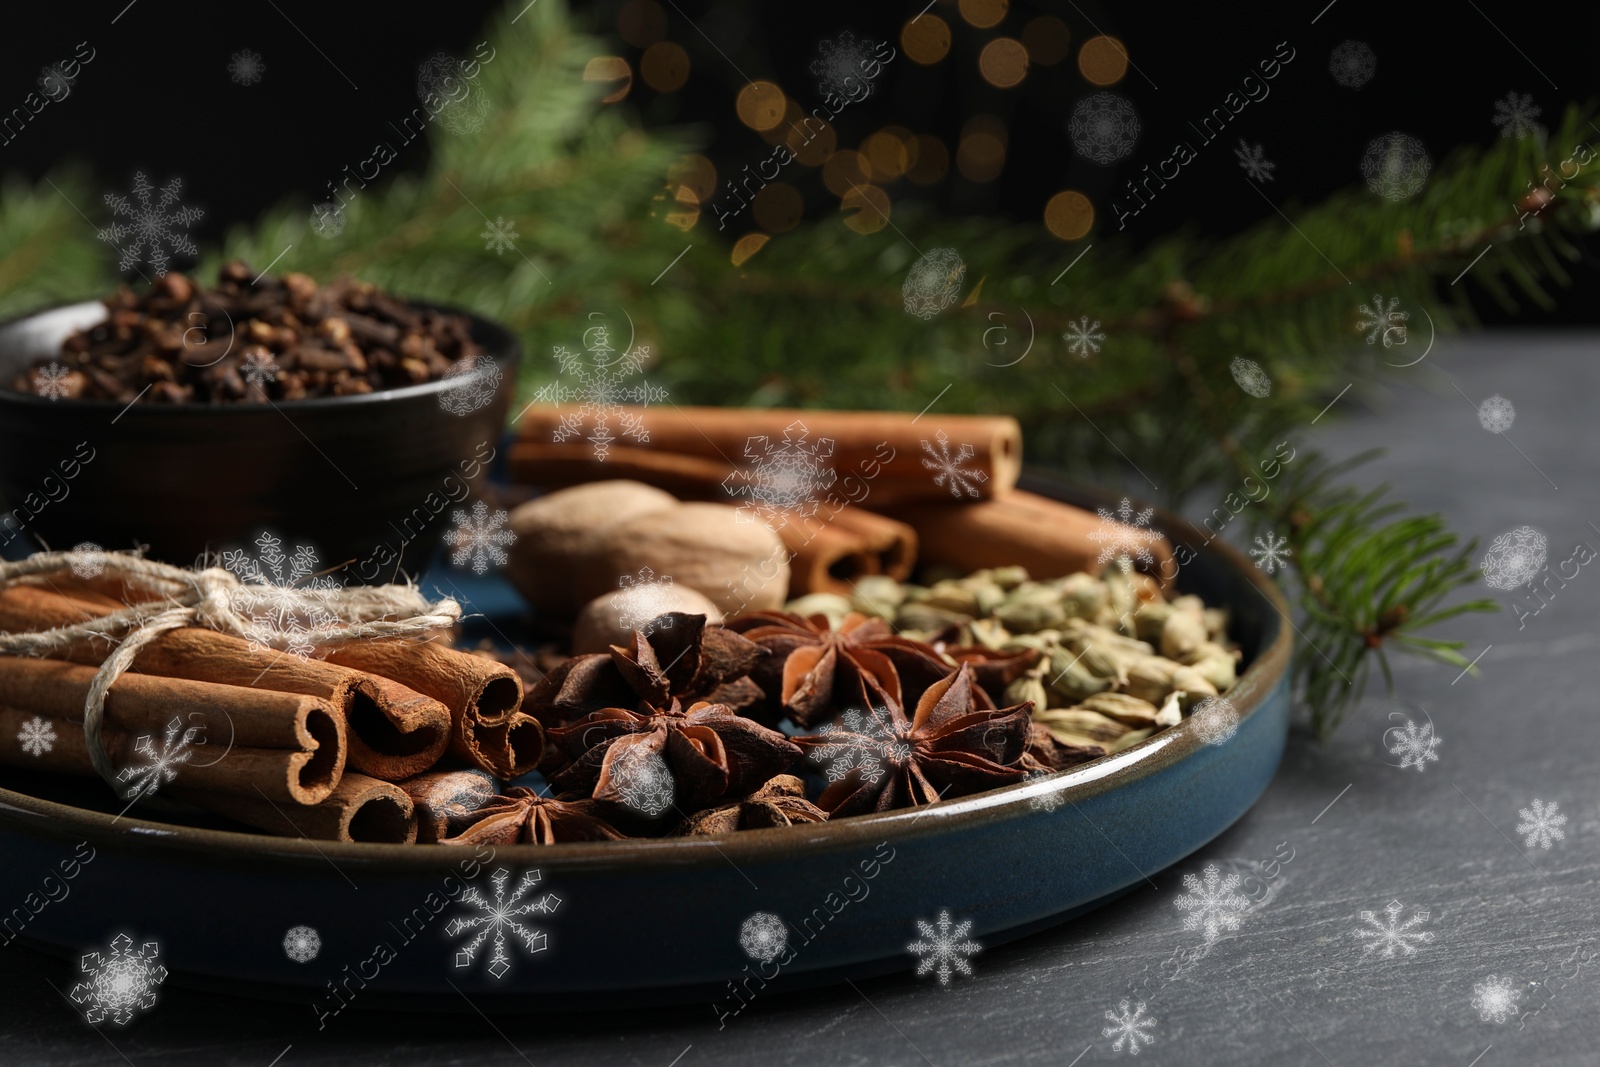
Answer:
(1296, 983)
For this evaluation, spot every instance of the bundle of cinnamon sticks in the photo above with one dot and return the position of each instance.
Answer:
(295, 746)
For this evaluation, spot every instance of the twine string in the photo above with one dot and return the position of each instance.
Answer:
(170, 598)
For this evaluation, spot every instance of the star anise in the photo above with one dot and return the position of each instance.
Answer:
(813, 665)
(956, 743)
(1046, 753)
(522, 816)
(656, 758)
(680, 659)
(781, 802)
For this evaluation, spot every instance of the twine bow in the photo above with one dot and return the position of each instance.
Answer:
(170, 598)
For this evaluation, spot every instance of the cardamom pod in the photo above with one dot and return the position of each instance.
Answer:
(1083, 595)
(927, 618)
(1071, 681)
(1007, 578)
(952, 596)
(1128, 710)
(1100, 729)
(1026, 609)
(988, 633)
(834, 606)
(1184, 632)
(1129, 739)
(1149, 619)
(877, 595)
(1150, 678)
(1171, 713)
(1192, 685)
(1028, 689)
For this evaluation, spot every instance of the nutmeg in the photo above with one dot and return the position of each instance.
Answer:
(556, 531)
(610, 618)
(579, 544)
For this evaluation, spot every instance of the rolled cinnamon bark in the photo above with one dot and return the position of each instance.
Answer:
(359, 809)
(898, 453)
(833, 549)
(447, 802)
(392, 732)
(1047, 537)
(484, 697)
(291, 777)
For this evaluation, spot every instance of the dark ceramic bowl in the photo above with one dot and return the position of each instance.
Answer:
(347, 475)
(655, 921)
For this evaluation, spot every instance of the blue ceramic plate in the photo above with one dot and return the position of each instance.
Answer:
(651, 921)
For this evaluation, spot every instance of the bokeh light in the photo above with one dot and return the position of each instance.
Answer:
(747, 246)
(812, 141)
(1069, 215)
(642, 22)
(612, 70)
(1103, 60)
(695, 173)
(664, 66)
(761, 105)
(845, 169)
(931, 160)
(1003, 62)
(888, 152)
(1047, 40)
(778, 207)
(983, 13)
(981, 155)
(866, 209)
(926, 39)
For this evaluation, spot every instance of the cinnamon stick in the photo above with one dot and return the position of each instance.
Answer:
(489, 729)
(832, 550)
(447, 802)
(887, 449)
(290, 777)
(393, 732)
(359, 809)
(1047, 537)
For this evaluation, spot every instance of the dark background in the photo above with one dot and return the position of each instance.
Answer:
(158, 96)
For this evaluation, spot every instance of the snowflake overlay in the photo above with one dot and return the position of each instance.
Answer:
(1271, 553)
(504, 916)
(435, 77)
(945, 949)
(50, 380)
(1495, 999)
(1254, 161)
(259, 368)
(952, 475)
(152, 227)
(480, 538)
(644, 599)
(116, 986)
(37, 736)
(246, 67)
(933, 283)
(1383, 320)
(1390, 935)
(1083, 337)
(1250, 377)
(1211, 905)
(470, 383)
(88, 560)
(1514, 558)
(1413, 744)
(1515, 114)
(1103, 127)
(841, 65)
(1352, 63)
(500, 235)
(851, 757)
(327, 220)
(280, 596)
(1215, 720)
(786, 478)
(600, 394)
(1124, 536)
(1542, 825)
(1396, 166)
(764, 937)
(301, 944)
(644, 781)
(54, 83)
(1128, 1026)
(157, 766)
(1496, 414)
